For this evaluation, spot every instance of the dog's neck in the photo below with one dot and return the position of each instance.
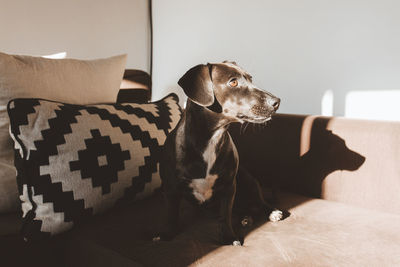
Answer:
(202, 124)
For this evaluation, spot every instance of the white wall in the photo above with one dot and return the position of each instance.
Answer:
(296, 49)
(84, 29)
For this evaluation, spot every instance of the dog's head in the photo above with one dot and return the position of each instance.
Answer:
(233, 90)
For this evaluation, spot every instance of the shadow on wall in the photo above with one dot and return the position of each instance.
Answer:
(294, 153)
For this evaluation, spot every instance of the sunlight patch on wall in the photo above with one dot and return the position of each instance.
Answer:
(373, 105)
(327, 103)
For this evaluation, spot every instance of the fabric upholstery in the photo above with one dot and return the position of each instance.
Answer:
(135, 87)
(318, 233)
(65, 80)
(74, 161)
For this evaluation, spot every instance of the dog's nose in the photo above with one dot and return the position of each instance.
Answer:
(274, 102)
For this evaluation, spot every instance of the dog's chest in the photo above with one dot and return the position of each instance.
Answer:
(203, 187)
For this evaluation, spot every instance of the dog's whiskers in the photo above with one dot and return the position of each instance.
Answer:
(245, 127)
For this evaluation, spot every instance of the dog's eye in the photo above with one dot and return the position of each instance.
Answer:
(233, 83)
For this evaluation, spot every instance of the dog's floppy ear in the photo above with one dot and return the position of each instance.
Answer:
(197, 85)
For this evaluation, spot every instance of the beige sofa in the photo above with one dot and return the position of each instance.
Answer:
(339, 178)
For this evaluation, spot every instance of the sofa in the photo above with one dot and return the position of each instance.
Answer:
(338, 178)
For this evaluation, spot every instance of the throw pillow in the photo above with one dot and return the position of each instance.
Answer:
(66, 80)
(75, 161)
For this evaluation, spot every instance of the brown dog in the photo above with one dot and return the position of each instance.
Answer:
(200, 161)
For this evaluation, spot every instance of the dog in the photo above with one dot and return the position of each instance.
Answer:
(200, 161)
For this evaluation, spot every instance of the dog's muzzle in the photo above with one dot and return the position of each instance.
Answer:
(274, 103)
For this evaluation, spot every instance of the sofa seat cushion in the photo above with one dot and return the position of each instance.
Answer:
(318, 233)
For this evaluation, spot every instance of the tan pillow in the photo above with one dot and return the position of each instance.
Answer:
(65, 80)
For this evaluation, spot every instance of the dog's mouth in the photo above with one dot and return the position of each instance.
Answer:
(253, 119)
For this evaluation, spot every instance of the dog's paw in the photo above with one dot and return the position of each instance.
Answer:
(275, 216)
(156, 238)
(247, 221)
(231, 241)
(236, 243)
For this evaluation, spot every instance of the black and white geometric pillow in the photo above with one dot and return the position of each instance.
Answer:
(75, 161)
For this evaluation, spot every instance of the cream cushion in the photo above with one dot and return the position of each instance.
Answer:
(65, 80)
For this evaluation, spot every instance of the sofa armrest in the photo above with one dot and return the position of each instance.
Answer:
(135, 87)
(339, 159)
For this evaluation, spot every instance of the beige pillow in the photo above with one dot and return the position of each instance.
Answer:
(65, 80)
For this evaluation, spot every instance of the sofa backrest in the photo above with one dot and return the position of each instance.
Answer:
(346, 160)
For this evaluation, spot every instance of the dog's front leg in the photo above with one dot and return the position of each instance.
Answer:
(170, 229)
(228, 235)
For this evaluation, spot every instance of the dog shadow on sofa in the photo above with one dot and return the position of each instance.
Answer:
(283, 158)
(327, 153)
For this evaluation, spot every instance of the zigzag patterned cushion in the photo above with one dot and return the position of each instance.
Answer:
(74, 161)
